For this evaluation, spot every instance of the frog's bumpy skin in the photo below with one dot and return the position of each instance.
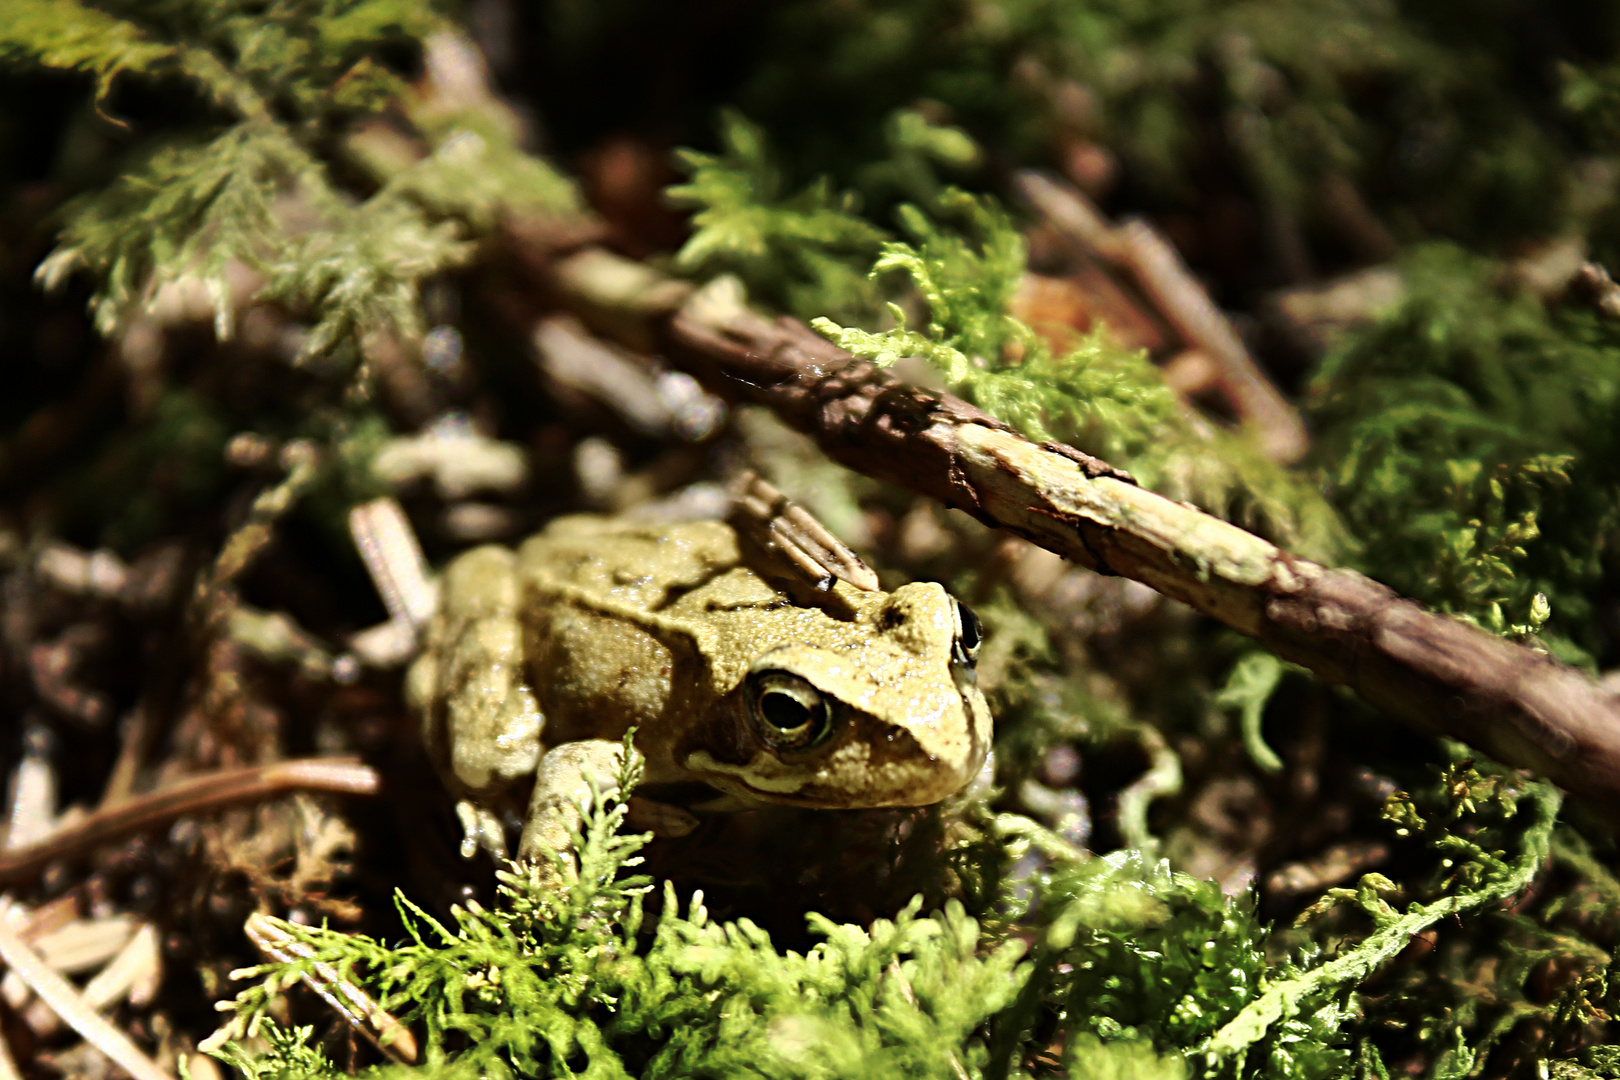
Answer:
(609, 625)
(468, 684)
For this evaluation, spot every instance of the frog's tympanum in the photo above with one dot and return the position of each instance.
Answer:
(742, 692)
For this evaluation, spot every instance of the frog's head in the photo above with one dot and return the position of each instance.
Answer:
(886, 711)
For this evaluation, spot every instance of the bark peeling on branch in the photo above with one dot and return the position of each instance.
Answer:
(1433, 671)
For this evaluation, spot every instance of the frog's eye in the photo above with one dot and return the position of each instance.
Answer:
(965, 649)
(791, 713)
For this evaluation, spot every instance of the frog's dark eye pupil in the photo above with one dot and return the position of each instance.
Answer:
(970, 636)
(783, 710)
(790, 712)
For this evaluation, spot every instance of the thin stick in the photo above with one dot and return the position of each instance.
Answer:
(8, 1063)
(789, 529)
(356, 1006)
(195, 795)
(133, 735)
(388, 546)
(1432, 671)
(64, 999)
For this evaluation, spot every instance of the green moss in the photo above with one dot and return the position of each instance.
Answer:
(208, 193)
(1469, 441)
(1132, 965)
(964, 264)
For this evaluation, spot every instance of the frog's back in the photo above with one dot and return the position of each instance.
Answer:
(639, 564)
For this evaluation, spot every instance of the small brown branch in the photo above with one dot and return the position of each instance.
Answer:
(272, 938)
(1165, 279)
(196, 795)
(67, 1003)
(1436, 672)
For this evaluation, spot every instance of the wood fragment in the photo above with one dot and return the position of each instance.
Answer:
(134, 732)
(195, 795)
(386, 645)
(132, 974)
(270, 936)
(100, 574)
(33, 924)
(589, 366)
(783, 527)
(32, 814)
(66, 1001)
(394, 559)
(84, 944)
(8, 1063)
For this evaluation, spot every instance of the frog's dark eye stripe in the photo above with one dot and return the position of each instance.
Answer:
(969, 635)
(791, 714)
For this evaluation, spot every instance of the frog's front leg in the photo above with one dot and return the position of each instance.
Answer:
(562, 786)
(480, 720)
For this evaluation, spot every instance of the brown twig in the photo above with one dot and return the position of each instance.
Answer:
(786, 529)
(65, 1000)
(1438, 673)
(393, 557)
(196, 795)
(272, 938)
(1178, 296)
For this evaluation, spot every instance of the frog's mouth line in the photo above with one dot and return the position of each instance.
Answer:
(908, 777)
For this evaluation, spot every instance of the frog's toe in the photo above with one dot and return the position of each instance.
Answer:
(480, 829)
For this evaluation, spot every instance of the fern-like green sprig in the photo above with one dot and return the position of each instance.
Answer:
(254, 197)
(1096, 395)
(807, 252)
(552, 979)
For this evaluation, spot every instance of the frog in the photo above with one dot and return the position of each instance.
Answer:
(743, 681)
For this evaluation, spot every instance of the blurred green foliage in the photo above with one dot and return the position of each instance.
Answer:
(1481, 121)
(252, 189)
(1469, 440)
